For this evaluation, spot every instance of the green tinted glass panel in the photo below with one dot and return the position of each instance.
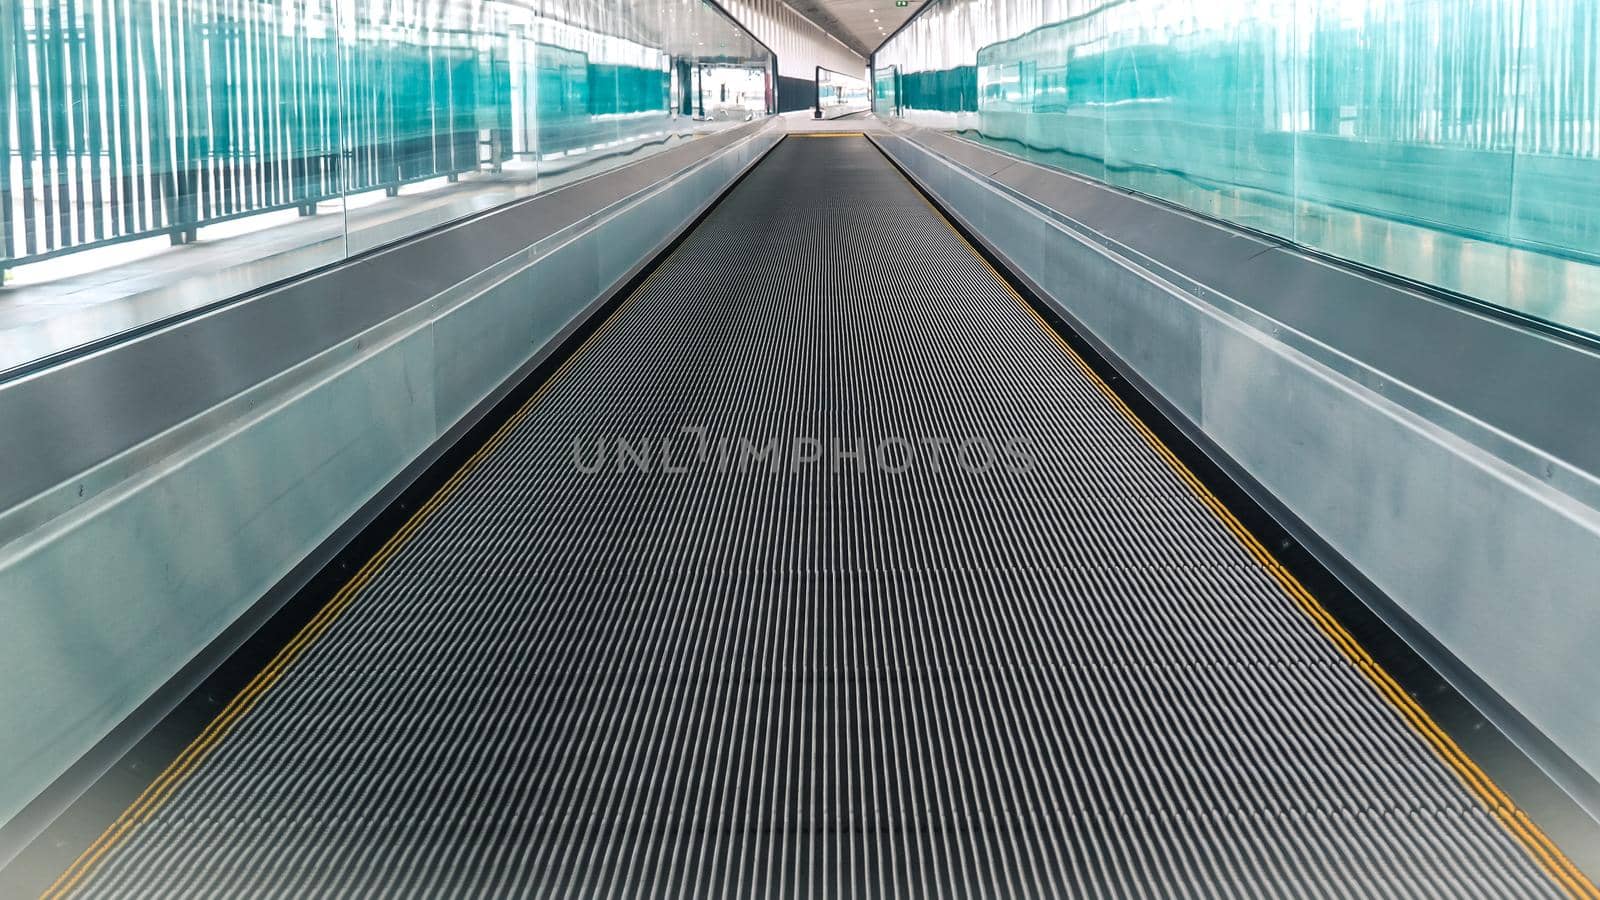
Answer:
(130, 119)
(1454, 143)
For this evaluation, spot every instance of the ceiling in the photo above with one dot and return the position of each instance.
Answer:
(860, 24)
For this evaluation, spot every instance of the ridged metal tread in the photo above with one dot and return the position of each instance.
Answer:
(1072, 680)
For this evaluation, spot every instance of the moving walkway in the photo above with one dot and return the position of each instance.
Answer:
(839, 575)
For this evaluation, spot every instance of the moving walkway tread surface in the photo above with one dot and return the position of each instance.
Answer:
(823, 568)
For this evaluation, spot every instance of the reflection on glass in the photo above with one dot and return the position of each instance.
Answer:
(239, 130)
(732, 93)
(1453, 143)
(840, 95)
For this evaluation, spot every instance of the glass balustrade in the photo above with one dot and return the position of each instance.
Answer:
(1453, 143)
(159, 155)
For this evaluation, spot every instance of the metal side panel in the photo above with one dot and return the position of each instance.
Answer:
(147, 382)
(1496, 564)
(823, 568)
(1463, 369)
(104, 602)
(103, 606)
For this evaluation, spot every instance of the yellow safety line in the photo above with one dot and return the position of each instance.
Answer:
(1512, 817)
(150, 801)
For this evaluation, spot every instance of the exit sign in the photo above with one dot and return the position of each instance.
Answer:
(902, 2)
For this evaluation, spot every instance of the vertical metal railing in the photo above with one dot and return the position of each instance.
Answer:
(129, 119)
(125, 119)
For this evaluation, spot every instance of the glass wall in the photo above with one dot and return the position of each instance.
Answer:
(840, 95)
(886, 91)
(260, 138)
(1453, 142)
